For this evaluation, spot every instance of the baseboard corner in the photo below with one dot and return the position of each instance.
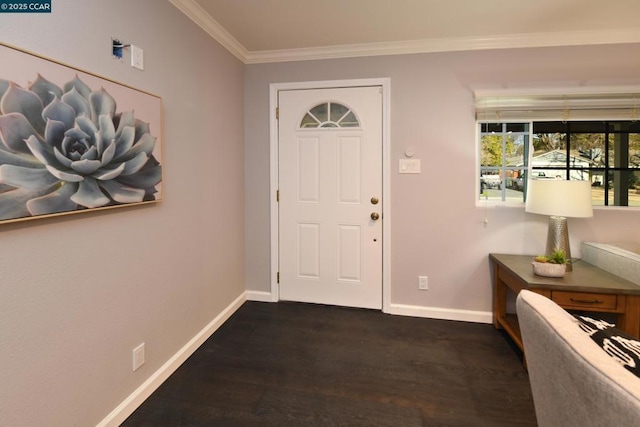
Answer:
(135, 399)
(260, 296)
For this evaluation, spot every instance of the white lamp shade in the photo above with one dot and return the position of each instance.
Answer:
(570, 199)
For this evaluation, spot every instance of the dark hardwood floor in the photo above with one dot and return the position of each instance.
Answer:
(292, 364)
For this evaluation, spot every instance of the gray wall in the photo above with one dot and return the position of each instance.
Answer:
(436, 228)
(78, 293)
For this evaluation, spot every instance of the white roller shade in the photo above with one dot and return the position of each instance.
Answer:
(602, 104)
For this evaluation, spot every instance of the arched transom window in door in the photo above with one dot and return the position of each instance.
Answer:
(329, 115)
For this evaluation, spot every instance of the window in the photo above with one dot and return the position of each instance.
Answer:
(504, 154)
(329, 115)
(606, 153)
(575, 133)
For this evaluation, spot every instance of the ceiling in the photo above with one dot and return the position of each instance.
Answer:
(286, 30)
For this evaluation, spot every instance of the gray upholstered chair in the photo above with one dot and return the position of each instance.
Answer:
(573, 381)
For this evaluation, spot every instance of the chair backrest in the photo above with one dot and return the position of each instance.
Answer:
(573, 381)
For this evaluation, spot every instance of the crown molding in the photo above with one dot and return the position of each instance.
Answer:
(511, 41)
(200, 16)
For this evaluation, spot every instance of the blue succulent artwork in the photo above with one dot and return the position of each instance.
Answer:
(67, 148)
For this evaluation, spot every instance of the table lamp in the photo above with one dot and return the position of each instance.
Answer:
(559, 199)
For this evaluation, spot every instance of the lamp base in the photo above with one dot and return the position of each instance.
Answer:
(558, 237)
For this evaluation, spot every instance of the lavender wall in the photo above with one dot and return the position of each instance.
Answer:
(436, 228)
(78, 293)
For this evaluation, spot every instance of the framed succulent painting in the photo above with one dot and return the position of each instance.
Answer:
(72, 141)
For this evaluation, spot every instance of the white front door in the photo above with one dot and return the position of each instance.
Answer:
(330, 196)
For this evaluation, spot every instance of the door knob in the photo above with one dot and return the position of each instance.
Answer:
(375, 216)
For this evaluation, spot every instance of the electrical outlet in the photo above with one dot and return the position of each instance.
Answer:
(137, 57)
(423, 283)
(138, 356)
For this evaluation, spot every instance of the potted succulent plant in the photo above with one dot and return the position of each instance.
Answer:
(552, 265)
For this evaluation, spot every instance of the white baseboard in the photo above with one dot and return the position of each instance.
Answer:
(135, 399)
(441, 313)
(260, 296)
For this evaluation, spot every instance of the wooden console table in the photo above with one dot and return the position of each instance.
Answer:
(586, 288)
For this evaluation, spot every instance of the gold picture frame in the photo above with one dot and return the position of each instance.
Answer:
(72, 141)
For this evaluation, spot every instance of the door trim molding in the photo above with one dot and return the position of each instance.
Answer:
(385, 84)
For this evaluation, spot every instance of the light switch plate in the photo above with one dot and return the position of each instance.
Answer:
(409, 166)
(137, 57)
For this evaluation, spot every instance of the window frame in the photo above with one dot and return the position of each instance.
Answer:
(526, 158)
(528, 167)
(329, 123)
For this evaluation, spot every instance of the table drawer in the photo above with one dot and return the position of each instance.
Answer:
(586, 301)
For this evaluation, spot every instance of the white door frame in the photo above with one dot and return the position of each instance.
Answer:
(385, 84)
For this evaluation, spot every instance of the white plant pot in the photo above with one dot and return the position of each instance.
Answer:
(547, 269)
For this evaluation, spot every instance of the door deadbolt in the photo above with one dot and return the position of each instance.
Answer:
(375, 216)
(374, 200)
